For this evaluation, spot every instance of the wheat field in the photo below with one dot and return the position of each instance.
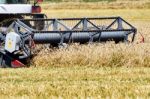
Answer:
(90, 71)
(107, 54)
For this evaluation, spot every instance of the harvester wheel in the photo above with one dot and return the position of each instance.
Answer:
(39, 25)
(117, 41)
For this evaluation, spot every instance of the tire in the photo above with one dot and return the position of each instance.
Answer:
(39, 25)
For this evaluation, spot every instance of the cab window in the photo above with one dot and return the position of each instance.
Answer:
(13, 1)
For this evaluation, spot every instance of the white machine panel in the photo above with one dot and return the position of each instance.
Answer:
(15, 8)
(12, 42)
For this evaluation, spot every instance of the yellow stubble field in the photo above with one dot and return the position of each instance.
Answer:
(86, 71)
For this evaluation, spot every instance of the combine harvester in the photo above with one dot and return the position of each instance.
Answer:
(22, 26)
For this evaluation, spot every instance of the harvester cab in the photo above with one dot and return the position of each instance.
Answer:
(11, 10)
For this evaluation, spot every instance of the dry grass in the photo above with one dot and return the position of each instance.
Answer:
(101, 55)
(119, 4)
(128, 14)
(75, 82)
(95, 71)
(81, 71)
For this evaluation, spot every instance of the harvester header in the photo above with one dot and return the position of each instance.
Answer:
(18, 33)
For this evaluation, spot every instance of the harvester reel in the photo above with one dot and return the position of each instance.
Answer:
(61, 32)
